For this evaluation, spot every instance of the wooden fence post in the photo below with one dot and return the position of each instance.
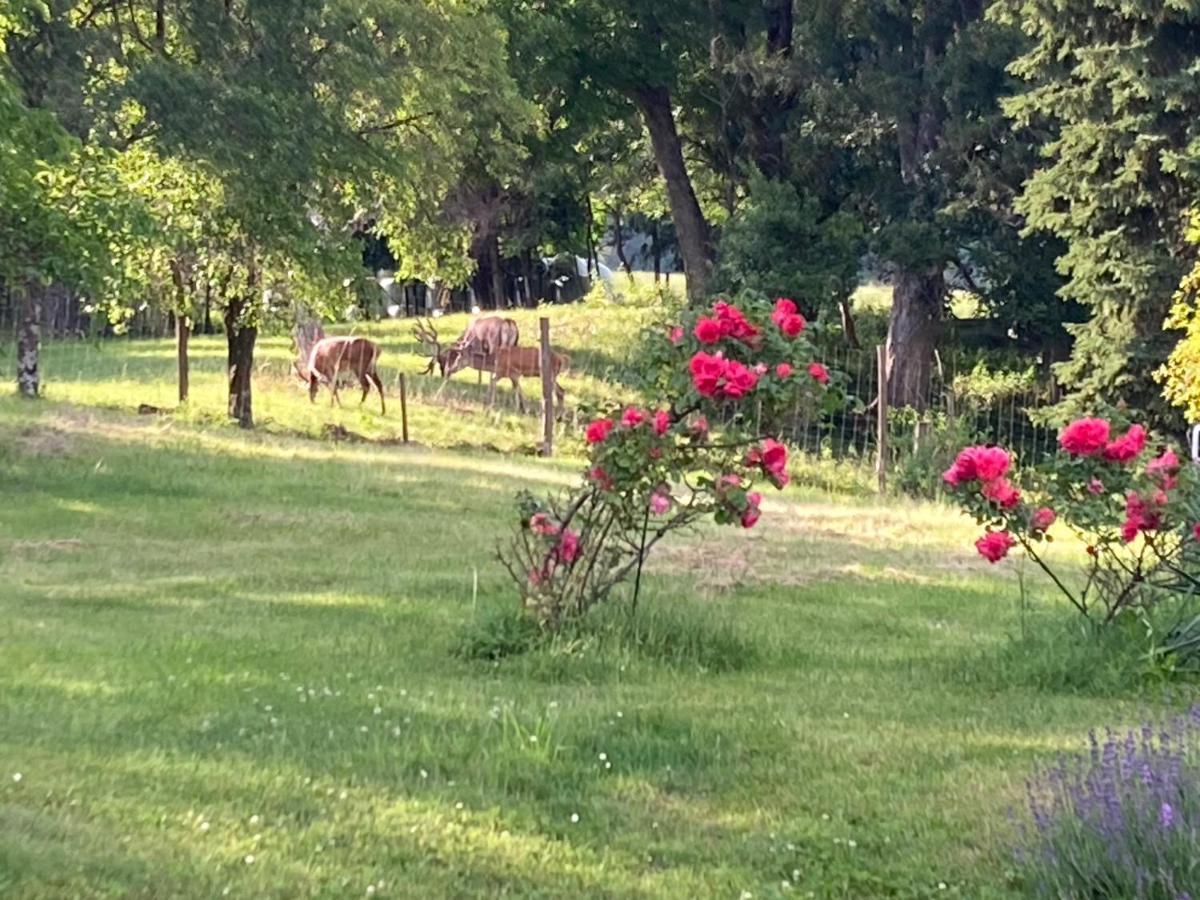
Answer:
(881, 440)
(403, 408)
(547, 368)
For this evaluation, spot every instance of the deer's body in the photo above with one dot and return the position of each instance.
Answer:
(330, 357)
(478, 344)
(515, 363)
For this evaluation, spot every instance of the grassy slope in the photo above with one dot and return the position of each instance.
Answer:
(219, 647)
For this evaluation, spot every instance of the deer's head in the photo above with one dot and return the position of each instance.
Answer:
(427, 336)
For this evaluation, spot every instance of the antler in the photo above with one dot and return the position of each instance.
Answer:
(426, 334)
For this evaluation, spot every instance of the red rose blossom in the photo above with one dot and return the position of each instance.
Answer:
(819, 372)
(1002, 493)
(662, 422)
(707, 371)
(708, 331)
(568, 546)
(994, 545)
(978, 464)
(1127, 447)
(739, 381)
(1085, 437)
(633, 417)
(676, 334)
(598, 431)
(783, 370)
(1042, 519)
(1163, 469)
(542, 524)
(752, 513)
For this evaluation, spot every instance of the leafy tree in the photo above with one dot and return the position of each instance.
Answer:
(1118, 84)
(780, 245)
(273, 125)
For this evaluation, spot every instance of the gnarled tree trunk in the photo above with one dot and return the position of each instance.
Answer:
(240, 339)
(29, 338)
(913, 333)
(695, 239)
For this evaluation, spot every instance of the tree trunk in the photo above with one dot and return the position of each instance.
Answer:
(656, 250)
(29, 341)
(695, 240)
(183, 331)
(592, 260)
(619, 239)
(849, 329)
(497, 273)
(527, 269)
(913, 333)
(240, 339)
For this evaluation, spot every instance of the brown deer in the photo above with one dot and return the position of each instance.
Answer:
(479, 343)
(330, 357)
(473, 349)
(515, 363)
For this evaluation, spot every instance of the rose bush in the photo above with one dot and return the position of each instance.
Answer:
(1134, 511)
(722, 381)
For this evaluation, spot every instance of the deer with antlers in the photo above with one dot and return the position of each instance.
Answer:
(331, 357)
(474, 347)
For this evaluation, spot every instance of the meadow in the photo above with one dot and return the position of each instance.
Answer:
(231, 664)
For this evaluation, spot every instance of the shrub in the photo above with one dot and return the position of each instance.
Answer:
(724, 379)
(1120, 821)
(1133, 510)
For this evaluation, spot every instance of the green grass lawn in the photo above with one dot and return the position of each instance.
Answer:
(227, 667)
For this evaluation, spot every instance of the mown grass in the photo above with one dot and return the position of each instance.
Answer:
(273, 666)
(230, 668)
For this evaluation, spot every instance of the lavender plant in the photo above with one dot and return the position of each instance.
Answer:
(1120, 821)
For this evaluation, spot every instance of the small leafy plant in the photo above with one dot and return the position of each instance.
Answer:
(723, 378)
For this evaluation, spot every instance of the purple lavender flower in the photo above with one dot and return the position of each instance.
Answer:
(1166, 816)
(1120, 819)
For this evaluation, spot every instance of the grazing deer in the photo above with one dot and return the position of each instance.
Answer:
(473, 349)
(330, 357)
(514, 363)
(479, 343)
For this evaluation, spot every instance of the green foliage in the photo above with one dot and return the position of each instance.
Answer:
(1180, 376)
(1116, 87)
(779, 245)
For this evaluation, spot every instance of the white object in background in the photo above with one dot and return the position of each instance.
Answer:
(394, 310)
(1194, 440)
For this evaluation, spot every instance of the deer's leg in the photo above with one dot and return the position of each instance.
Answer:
(492, 389)
(365, 383)
(516, 383)
(379, 385)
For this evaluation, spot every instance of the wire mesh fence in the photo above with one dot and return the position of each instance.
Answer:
(963, 404)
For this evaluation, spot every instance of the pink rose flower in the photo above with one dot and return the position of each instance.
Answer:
(598, 431)
(1127, 447)
(1042, 519)
(994, 545)
(752, 513)
(1085, 437)
(633, 417)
